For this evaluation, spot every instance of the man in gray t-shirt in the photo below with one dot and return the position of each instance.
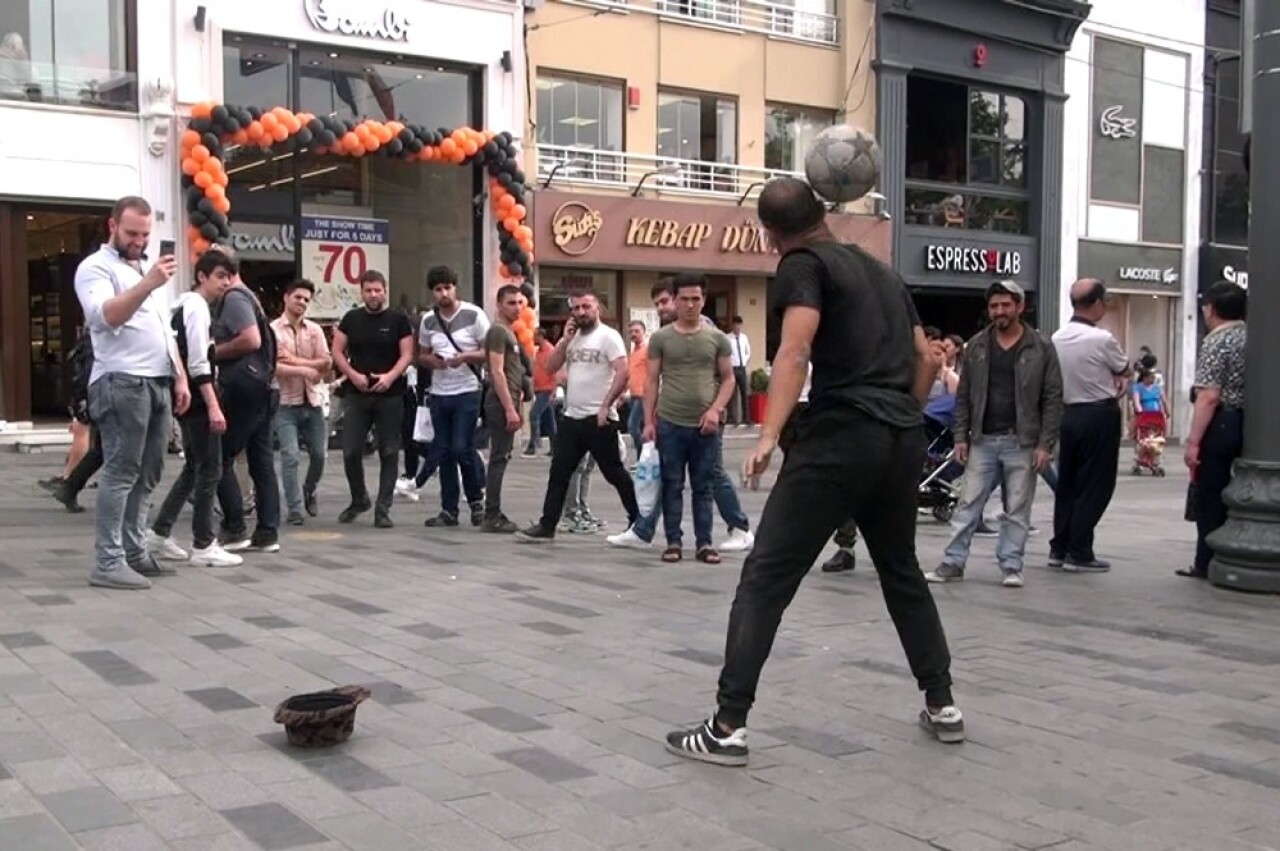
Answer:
(689, 385)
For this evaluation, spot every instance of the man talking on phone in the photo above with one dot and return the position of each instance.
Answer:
(136, 384)
(853, 319)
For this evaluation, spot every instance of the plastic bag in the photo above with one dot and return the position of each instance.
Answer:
(648, 479)
(423, 429)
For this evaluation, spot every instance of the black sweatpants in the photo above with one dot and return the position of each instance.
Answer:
(574, 439)
(1222, 444)
(822, 485)
(383, 413)
(1088, 458)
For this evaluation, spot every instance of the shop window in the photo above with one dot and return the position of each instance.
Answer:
(427, 210)
(789, 132)
(77, 52)
(1230, 180)
(556, 285)
(580, 123)
(966, 157)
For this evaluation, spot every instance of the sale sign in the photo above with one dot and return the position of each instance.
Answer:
(336, 252)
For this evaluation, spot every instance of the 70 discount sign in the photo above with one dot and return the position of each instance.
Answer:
(336, 252)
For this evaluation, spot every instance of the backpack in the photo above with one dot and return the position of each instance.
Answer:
(81, 360)
(254, 372)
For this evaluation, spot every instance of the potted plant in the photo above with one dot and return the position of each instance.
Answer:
(757, 395)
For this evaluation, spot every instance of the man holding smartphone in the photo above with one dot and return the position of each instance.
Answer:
(136, 383)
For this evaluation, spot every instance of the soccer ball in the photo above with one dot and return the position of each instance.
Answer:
(843, 164)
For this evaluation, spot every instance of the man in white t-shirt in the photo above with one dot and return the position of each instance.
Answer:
(451, 342)
(596, 363)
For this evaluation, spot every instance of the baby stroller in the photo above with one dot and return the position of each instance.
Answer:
(1148, 443)
(940, 479)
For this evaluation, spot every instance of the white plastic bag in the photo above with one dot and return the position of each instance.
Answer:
(423, 430)
(648, 478)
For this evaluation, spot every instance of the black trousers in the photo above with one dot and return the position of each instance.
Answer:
(846, 536)
(1088, 458)
(739, 410)
(823, 484)
(1222, 444)
(200, 476)
(574, 439)
(250, 429)
(83, 471)
(383, 412)
(409, 419)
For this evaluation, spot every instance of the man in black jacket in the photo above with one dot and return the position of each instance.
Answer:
(1008, 411)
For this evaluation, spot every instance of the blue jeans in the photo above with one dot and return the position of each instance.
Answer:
(635, 424)
(542, 419)
(308, 423)
(724, 494)
(453, 450)
(134, 417)
(995, 461)
(682, 448)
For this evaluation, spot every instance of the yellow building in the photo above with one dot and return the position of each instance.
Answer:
(653, 125)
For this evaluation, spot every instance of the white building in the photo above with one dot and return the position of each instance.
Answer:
(91, 108)
(1131, 176)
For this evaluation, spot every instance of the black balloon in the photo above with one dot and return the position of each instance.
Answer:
(255, 112)
(415, 145)
(315, 125)
(219, 114)
(201, 125)
(328, 138)
(303, 136)
(513, 268)
(231, 125)
(504, 179)
(198, 218)
(395, 147)
(209, 231)
(210, 141)
(205, 206)
(491, 148)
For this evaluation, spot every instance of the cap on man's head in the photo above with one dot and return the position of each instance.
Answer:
(1009, 288)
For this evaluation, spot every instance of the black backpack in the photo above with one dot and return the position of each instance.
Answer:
(81, 360)
(254, 372)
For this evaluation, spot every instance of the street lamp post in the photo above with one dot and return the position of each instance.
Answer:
(1247, 548)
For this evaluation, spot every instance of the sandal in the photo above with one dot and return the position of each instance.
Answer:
(671, 555)
(708, 555)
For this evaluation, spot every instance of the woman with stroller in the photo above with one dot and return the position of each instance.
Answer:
(1151, 413)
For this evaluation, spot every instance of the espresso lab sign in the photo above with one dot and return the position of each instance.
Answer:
(604, 232)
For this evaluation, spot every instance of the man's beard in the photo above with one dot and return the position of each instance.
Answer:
(124, 250)
(376, 307)
(585, 323)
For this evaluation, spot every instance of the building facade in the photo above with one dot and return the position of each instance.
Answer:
(1224, 206)
(971, 124)
(1132, 183)
(654, 124)
(91, 106)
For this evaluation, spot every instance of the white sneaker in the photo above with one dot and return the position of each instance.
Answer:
(1012, 580)
(628, 540)
(165, 549)
(215, 556)
(407, 488)
(739, 541)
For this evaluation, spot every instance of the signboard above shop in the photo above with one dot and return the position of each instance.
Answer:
(1127, 267)
(382, 19)
(621, 232)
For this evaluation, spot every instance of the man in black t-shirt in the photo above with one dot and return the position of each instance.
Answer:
(858, 452)
(372, 347)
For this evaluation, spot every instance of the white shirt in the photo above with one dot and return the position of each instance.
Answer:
(468, 326)
(1091, 358)
(589, 358)
(195, 322)
(139, 347)
(740, 350)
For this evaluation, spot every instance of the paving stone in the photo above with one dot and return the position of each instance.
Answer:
(129, 837)
(598, 582)
(555, 629)
(139, 783)
(113, 668)
(17, 640)
(391, 694)
(270, 622)
(273, 827)
(356, 607)
(504, 719)
(369, 832)
(220, 699)
(702, 657)
(46, 776)
(555, 607)
(429, 630)
(1235, 770)
(51, 599)
(542, 763)
(34, 833)
(348, 773)
(815, 740)
(87, 809)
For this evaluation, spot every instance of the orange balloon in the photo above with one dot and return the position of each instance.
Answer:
(469, 147)
(202, 110)
(458, 156)
(350, 141)
(503, 273)
(506, 202)
(429, 154)
(190, 167)
(222, 205)
(190, 139)
(518, 211)
(211, 165)
(213, 192)
(221, 179)
(510, 225)
(204, 179)
(201, 245)
(240, 137)
(358, 152)
(371, 142)
(255, 130)
(518, 327)
(200, 153)
(448, 147)
(524, 233)
(383, 132)
(269, 121)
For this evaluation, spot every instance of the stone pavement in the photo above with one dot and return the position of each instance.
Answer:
(520, 696)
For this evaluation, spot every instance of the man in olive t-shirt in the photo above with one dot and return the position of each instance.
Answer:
(508, 375)
(690, 383)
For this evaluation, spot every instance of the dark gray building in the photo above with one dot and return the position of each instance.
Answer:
(970, 121)
(1224, 220)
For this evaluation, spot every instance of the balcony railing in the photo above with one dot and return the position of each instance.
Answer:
(590, 167)
(782, 20)
(45, 82)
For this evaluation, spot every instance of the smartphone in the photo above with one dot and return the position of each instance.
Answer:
(166, 247)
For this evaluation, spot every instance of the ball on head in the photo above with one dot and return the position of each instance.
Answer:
(843, 164)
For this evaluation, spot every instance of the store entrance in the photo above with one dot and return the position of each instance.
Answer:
(57, 239)
(719, 305)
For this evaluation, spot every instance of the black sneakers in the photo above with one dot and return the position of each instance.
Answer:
(705, 744)
(535, 534)
(840, 562)
(947, 725)
(354, 510)
(443, 519)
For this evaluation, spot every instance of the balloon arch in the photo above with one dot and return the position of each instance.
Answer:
(213, 126)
